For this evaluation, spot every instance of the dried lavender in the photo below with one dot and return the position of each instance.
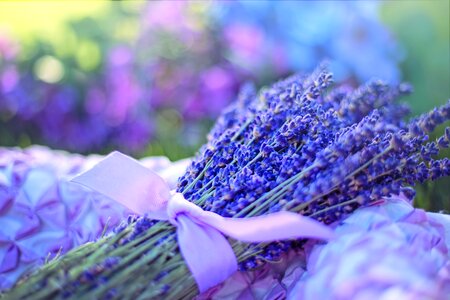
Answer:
(296, 146)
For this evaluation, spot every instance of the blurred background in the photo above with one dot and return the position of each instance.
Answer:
(150, 77)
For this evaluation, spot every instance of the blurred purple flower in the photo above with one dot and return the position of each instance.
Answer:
(187, 57)
(303, 33)
(246, 42)
(8, 47)
(216, 89)
(168, 16)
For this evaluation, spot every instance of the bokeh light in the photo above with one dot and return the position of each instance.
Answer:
(49, 69)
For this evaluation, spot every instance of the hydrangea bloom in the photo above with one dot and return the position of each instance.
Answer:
(43, 215)
(391, 251)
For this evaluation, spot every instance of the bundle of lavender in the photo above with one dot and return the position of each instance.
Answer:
(298, 146)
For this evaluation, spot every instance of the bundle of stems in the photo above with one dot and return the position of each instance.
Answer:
(300, 146)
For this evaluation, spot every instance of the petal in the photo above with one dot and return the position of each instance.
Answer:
(37, 183)
(31, 224)
(6, 199)
(53, 214)
(10, 259)
(29, 255)
(76, 198)
(50, 197)
(63, 244)
(4, 238)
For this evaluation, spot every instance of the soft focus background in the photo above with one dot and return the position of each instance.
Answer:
(149, 78)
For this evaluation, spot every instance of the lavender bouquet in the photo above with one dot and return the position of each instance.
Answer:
(297, 146)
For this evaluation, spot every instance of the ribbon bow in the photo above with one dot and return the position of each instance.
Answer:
(200, 233)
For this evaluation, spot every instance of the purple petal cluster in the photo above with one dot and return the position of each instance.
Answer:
(349, 33)
(43, 215)
(390, 251)
(303, 146)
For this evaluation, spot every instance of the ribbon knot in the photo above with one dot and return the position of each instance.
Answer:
(177, 205)
(200, 233)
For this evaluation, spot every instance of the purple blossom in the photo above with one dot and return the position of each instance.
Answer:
(382, 252)
(297, 35)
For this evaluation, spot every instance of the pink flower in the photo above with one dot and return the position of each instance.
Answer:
(246, 42)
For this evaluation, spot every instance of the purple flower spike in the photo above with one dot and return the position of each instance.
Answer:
(10, 259)
(6, 199)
